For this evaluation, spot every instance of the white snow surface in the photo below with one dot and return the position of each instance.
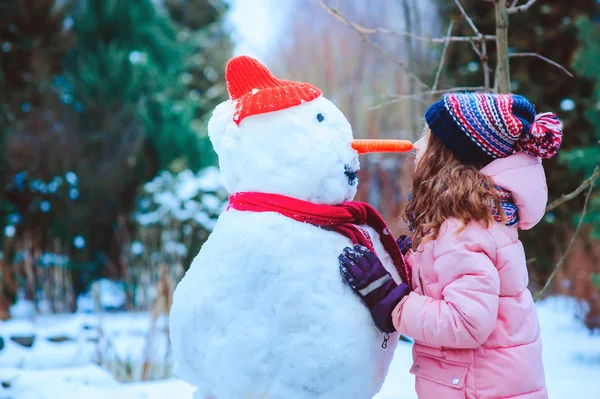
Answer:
(571, 359)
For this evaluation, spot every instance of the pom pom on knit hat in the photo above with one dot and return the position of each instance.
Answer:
(544, 138)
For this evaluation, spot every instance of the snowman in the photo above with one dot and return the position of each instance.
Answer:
(262, 312)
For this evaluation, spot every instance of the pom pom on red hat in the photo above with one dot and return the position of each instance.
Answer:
(254, 90)
(544, 138)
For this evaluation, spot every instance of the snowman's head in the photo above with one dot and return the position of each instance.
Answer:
(282, 137)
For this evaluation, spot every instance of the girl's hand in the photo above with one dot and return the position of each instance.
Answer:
(369, 279)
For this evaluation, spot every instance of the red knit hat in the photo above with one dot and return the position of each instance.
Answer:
(254, 90)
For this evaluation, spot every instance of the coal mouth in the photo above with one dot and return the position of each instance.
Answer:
(351, 174)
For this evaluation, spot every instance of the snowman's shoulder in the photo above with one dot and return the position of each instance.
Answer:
(277, 235)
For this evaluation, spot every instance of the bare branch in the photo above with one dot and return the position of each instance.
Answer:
(439, 40)
(514, 3)
(541, 57)
(369, 31)
(396, 98)
(486, 65)
(363, 34)
(513, 9)
(438, 74)
(469, 20)
(561, 261)
(475, 48)
(568, 197)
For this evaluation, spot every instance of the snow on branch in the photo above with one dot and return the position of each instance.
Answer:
(513, 9)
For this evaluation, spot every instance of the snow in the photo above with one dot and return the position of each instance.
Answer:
(90, 382)
(83, 338)
(112, 293)
(183, 197)
(571, 358)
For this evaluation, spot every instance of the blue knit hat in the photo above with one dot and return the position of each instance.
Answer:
(481, 127)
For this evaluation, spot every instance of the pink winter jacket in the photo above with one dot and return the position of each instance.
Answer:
(471, 315)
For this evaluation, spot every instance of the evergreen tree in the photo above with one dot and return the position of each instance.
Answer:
(587, 157)
(126, 74)
(34, 37)
(128, 80)
(96, 96)
(201, 24)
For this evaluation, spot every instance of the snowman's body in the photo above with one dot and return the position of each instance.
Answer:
(264, 315)
(263, 312)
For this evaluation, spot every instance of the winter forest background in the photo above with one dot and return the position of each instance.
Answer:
(109, 185)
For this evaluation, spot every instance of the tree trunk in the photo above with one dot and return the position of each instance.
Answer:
(503, 68)
(8, 289)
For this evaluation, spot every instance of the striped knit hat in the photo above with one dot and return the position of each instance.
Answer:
(481, 127)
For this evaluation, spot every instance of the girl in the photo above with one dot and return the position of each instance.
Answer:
(478, 179)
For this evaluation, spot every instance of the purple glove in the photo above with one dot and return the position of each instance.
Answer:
(364, 272)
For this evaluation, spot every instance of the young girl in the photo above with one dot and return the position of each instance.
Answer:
(478, 179)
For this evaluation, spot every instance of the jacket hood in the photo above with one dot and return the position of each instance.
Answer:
(524, 176)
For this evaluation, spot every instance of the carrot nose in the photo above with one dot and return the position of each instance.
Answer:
(365, 146)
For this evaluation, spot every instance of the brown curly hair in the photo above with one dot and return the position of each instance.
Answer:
(442, 188)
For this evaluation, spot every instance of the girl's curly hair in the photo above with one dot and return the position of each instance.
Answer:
(443, 188)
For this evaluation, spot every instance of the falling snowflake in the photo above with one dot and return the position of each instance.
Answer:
(79, 242)
(567, 104)
(473, 66)
(10, 231)
(71, 178)
(137, 248)
(138, 57)
(45, 206)
(73, 193)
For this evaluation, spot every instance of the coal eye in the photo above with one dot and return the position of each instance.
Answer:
(320, 117)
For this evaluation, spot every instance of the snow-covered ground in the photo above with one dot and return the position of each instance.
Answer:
(53, 370)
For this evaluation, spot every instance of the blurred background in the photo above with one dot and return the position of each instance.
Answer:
(109, 185)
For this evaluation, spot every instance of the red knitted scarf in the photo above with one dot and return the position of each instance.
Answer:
(343, 219)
